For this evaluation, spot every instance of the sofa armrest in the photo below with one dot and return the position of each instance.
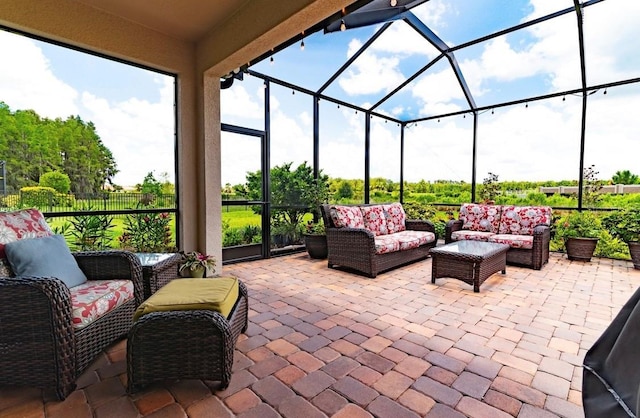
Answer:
(541, 234)
(36, 318)
(112, 265)
(420, 225)
(451, 226)
(357, 240)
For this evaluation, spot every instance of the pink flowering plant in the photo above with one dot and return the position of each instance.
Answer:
(147, 232)
(193, 259)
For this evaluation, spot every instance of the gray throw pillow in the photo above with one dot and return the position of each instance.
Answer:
(44, 257)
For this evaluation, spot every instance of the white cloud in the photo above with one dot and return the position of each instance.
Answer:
(27, 82)
(370, 73)
(236, 102)
(139, 133)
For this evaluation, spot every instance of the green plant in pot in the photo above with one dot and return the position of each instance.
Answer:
(580, 231)
(315, 240)
(195, 264)
(625, 225)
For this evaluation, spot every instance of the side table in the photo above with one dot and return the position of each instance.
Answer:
(158, 269)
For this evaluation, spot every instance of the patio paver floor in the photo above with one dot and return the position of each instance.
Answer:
(324, 342)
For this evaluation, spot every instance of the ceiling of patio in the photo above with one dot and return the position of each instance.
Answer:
(188, 20)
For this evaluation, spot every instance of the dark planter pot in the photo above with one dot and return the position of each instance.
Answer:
(316, 245)
(580, 249)
(238, 252)
(281, 240)
(634, 250)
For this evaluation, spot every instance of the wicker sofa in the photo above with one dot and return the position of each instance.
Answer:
(372, 238)
(525, 228)
(50, 333)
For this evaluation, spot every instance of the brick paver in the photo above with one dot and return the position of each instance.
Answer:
(325, 342)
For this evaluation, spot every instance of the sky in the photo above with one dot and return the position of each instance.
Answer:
(132, 108)
(534, 141)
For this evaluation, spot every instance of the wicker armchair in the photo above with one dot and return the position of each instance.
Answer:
(38, 345)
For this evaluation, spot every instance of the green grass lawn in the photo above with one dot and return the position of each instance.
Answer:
(237, 217)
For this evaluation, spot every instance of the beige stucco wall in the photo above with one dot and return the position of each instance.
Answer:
(256, 28)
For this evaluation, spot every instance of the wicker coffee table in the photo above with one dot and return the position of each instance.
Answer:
(470, 261)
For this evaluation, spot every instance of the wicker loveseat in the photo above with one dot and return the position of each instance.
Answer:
(373, 238)
(49, 332)
(525, 228)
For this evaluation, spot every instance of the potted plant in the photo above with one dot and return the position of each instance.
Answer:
(580, 231)
(625, 225)
(195, 264)
(315, 240)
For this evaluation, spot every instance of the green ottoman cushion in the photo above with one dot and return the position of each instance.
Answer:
(216, 294)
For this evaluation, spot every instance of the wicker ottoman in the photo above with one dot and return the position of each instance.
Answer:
(185, 344)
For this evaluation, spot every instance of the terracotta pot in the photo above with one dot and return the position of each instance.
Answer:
(580, 249)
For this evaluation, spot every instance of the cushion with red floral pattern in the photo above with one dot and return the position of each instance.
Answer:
(520, 220)
(396, 217)
(20, 224)
(477, 217)
(346, 216)
(375, 219)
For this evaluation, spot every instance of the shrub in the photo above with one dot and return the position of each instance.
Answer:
(58, 181)
(579, 225)
(89, 232)
(147, 232)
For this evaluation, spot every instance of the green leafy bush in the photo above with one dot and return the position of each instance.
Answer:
(58, 181)
(624, 224)
(43, 197)
(147, 232)
(576, 224)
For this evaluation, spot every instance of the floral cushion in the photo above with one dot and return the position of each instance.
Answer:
(524, 242)
(484, 218)
(413, 239)
(521, 220)
(375, 219)
(386, 244)
(346, 216)
(26, 223)
(395, 217)
(471, 235)
(95, 298)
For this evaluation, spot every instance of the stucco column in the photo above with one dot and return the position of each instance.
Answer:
(210, 202)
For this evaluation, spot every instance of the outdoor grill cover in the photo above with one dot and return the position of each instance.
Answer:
(611, 377)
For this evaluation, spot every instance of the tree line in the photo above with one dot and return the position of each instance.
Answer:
(32, 145)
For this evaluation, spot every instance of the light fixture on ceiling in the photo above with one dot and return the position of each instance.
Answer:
(605, 91)
(343, 26)
(302, 45)
(393, 3)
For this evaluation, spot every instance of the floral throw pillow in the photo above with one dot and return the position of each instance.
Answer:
(20, 224)
(485, 218)
(396, 217)
(346, 216)
(520, 220)
(375, 219)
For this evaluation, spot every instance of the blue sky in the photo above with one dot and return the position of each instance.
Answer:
(132, 108)
(537, 141)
